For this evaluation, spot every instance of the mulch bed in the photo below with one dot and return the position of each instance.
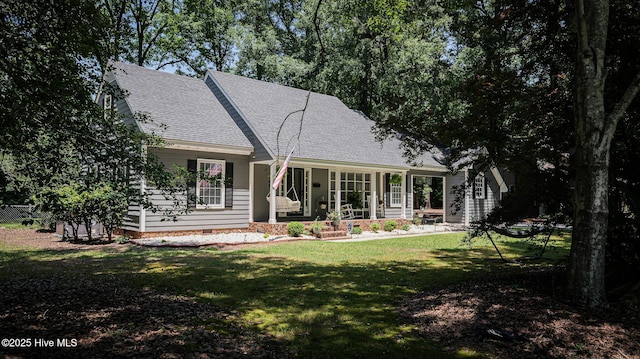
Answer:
(521, 316)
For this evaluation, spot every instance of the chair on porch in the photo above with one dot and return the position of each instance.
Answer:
(346, 211)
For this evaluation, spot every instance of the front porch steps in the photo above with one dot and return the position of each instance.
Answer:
(329, 234)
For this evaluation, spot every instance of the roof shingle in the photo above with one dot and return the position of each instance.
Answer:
(184, 106)
(329, 131)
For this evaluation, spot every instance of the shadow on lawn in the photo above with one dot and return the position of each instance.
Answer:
(294, 308)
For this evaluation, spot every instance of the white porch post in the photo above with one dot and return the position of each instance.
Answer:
(337, 194)
(467, 194)
(272, 193)
(142, 219)
(403, 190)
(251, 189)
(444, 199)
(373, 205)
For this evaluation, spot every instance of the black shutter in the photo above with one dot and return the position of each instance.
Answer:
(473, 189)
(192, 168)
(387, 189)
(228, 184)
(486, 188)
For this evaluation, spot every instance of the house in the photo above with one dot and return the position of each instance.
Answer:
(243, 129)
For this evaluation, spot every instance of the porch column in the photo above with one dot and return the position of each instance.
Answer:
(251, 189)
(444, 199)
(337, 194)
(272, 193)
(373, 205)
(403, 190)
(142, 219)
(467, 195)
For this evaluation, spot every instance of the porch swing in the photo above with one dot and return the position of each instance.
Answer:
(286, 204)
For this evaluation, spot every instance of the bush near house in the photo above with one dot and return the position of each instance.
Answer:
(295, 229)
(390, 225)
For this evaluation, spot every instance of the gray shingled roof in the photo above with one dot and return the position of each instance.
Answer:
(330, 130)
(185, 105)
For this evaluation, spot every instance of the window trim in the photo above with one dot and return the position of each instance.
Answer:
(223, 164)
(479, 187)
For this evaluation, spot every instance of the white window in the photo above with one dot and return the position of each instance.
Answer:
(479, 191)
(396, 194)
(210, 184)
(354, 188)
(395, 189)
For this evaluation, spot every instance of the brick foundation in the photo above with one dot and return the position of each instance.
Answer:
(279, 228)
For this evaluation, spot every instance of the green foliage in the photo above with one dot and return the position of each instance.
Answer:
(123, 239)
(295, 229)
(79, 205)
(110, 207)
(316, 226)
(334, 216)
(356, 230)
(390, 225)
(406, 227)
(375, 227)
(355, 199)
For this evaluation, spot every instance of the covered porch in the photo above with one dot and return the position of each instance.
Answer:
(358, 192)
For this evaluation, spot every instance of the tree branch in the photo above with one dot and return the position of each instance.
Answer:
(315, 24)
(623, 104)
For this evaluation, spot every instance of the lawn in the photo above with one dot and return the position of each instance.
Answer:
(318, 299)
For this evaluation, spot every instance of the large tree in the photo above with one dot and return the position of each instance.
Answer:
(595, 126)
(54, 132)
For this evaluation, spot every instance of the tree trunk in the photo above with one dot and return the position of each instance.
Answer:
(594, 133)
(593, 141)
(586, 263)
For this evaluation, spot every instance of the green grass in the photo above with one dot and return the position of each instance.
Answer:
(12, 225)
(323, 299)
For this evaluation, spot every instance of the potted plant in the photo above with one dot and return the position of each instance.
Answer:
(395, 178)
(316, 226)
(355, 199)
(334, 217)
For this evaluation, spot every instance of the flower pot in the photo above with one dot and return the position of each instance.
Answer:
(336, 222)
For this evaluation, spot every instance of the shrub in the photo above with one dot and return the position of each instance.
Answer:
(390, 225)
(356, 230)
(406, 227)
(295, 229)
(375, 227)
(122, 239)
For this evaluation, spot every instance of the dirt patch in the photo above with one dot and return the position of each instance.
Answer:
(520, 316)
